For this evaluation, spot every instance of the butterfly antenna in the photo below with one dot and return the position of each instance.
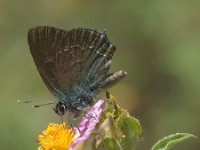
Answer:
(42, 103)
(48, 103)
(20, 101)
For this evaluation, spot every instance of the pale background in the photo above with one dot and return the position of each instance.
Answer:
(158, 44)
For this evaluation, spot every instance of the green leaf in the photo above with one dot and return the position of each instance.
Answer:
(109, 143)
(129, 124)
(168, 142)
(131, 129)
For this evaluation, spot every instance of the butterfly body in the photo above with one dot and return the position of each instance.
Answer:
(73, 64)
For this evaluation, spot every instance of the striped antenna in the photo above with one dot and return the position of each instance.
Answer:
(40, 102)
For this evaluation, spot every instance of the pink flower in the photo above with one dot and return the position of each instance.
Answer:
(88, 123)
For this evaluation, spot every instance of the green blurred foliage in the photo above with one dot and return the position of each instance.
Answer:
(157, 44)
(168, 142)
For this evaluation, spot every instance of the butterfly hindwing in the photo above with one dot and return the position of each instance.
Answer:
(70, 62)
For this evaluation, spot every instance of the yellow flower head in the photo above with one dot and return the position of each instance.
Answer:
(56, 137)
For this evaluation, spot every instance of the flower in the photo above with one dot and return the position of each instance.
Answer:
(88, 123)
(56, 137)
(61, 137)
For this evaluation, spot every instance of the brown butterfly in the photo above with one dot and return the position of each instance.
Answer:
(73, 64)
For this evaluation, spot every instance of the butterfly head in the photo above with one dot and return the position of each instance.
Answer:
(75, 106)
(60, 108)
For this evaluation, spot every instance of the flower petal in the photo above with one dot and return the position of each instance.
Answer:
(88, 123)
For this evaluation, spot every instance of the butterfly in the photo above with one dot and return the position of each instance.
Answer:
(73, 64)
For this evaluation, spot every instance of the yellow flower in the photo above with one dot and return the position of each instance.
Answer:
(56, 137)
(61, 137)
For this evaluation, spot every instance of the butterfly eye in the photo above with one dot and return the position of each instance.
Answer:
(60, 109)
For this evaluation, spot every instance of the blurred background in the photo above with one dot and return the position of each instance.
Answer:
(158, 44)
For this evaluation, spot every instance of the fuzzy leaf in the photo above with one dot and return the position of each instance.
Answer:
(109, 143)
(168, 142)
(131, 129)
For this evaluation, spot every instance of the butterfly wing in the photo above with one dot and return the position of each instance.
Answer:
(71, 62)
